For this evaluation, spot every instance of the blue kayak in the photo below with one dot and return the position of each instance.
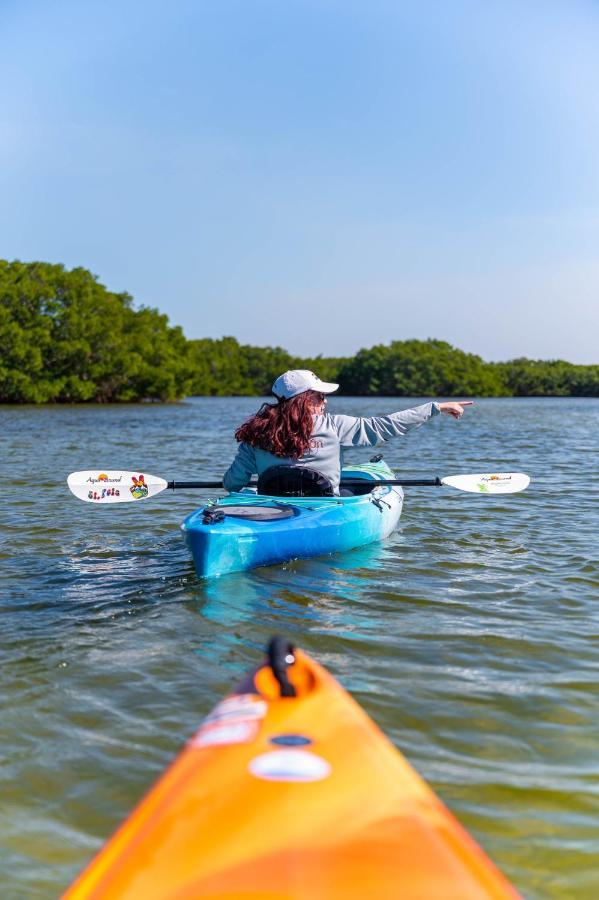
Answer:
(245, 529)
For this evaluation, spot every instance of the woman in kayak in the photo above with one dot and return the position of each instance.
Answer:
(297, 431)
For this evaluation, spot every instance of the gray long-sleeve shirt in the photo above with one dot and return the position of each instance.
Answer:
(330, 435)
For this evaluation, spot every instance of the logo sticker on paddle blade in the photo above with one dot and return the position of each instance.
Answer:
(139, 487)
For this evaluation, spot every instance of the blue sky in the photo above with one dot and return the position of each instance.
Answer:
(320, 175)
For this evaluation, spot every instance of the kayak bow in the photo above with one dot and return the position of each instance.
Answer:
(289, 790)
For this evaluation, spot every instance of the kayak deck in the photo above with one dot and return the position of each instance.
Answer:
(291, 797)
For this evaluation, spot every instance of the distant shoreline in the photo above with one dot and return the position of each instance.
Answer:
(65, 338)
(261, 398)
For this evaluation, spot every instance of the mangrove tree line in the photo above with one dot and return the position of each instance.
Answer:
(66, 338)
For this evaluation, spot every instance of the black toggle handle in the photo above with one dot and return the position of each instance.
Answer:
(281, 654)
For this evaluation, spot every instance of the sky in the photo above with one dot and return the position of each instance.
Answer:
(319, 175)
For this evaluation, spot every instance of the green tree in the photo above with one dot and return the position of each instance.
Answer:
(419, 368)
(64, 337)
(217, 369)
(549, 378)
(225, 367)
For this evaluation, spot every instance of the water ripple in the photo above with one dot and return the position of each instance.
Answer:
(468, 635)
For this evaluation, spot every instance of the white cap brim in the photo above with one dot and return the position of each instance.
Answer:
(326, 387)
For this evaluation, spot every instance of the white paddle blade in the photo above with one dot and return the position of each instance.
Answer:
(500, 483)
(109, 486)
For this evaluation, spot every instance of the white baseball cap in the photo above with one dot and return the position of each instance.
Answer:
(296, 381)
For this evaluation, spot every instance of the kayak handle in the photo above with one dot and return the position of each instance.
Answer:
(280, 654)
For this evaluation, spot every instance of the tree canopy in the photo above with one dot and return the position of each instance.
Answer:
(66, 338)
(420, 368)
(224, 367)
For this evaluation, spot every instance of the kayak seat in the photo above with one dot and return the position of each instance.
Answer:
(294, 481)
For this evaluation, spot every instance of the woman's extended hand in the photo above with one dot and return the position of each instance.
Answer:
(455, 409)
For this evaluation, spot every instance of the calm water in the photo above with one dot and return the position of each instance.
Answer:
(469, 636)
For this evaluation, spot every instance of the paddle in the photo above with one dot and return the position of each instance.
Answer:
(110, 486)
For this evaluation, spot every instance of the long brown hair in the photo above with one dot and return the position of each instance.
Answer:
(283, 428)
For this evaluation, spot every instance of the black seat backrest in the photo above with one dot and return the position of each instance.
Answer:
(294, 481)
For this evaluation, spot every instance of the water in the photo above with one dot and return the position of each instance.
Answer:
(469, 636)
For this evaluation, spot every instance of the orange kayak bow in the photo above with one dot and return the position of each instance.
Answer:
(289, 790)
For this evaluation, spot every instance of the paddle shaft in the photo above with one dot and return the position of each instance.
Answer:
(345, 482)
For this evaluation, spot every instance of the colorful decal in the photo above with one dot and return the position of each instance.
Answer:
(235, 720)
(290, 765)
(217, 734)
(491, 480)
(103, 478)
(241, 706)
(139, 488)
(105, 492)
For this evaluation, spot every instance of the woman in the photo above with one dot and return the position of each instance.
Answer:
(297, 430)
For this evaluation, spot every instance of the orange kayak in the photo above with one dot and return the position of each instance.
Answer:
(289, 790)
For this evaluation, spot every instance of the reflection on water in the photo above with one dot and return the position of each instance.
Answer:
(467, 635)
